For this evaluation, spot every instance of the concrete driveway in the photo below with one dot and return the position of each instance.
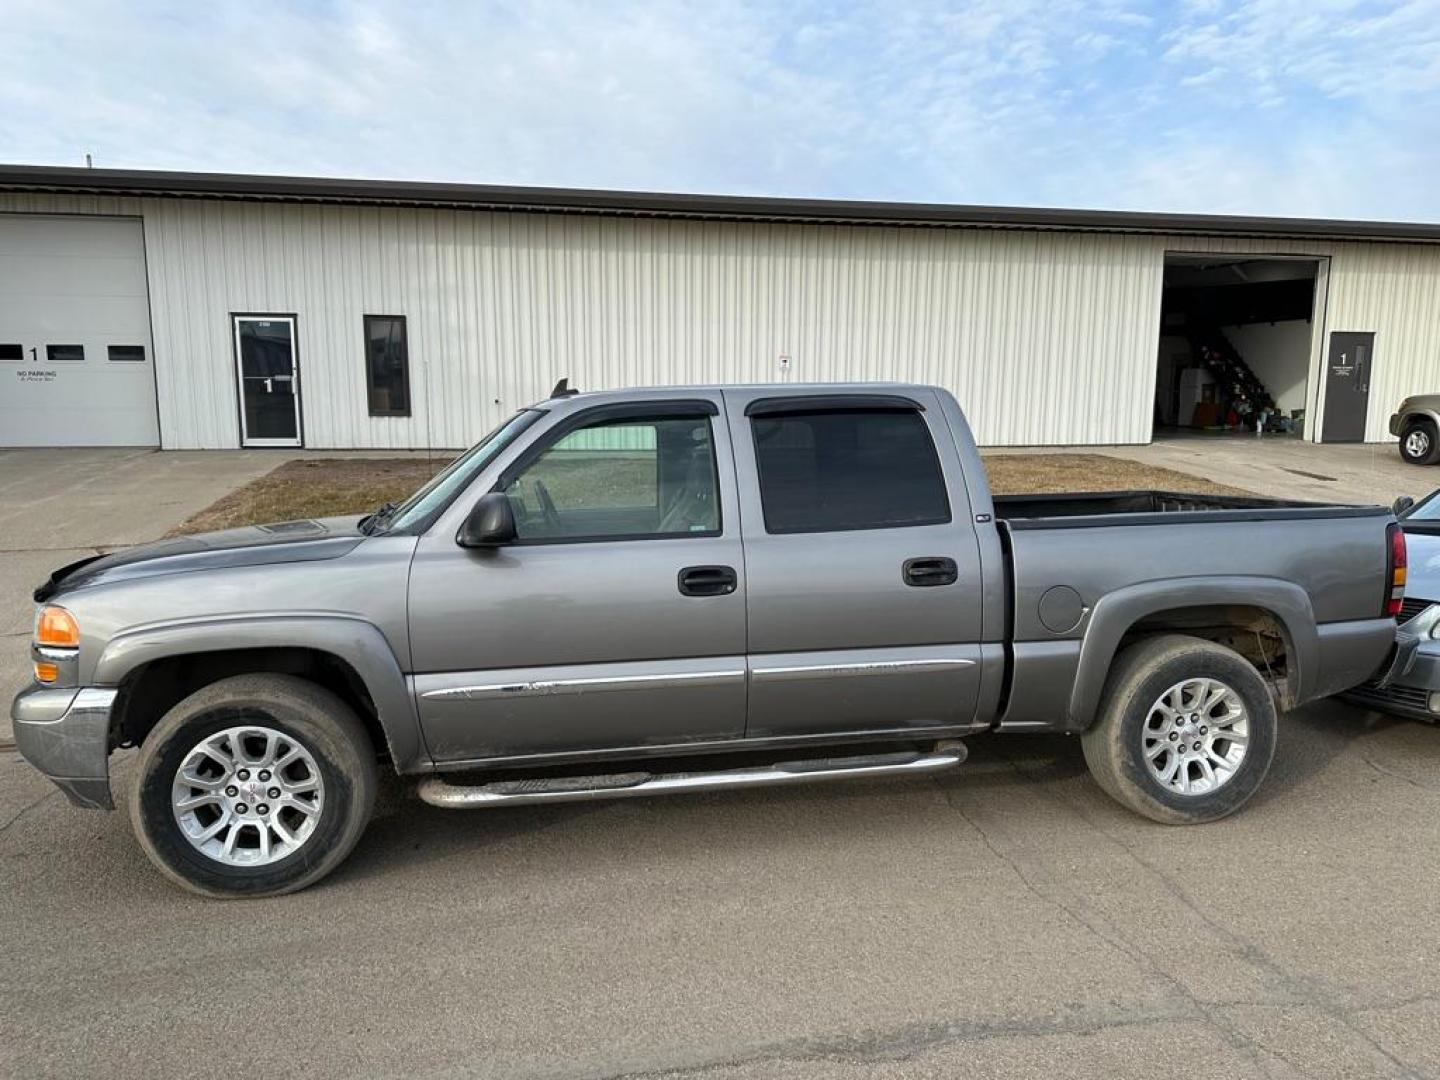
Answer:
(62, 505)
(1288, 468)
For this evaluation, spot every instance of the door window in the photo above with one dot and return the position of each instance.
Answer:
(269, 406)
(635, 478)
(840, 469)
(65, 354)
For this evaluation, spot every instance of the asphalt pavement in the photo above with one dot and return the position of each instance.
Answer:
(1002, 920)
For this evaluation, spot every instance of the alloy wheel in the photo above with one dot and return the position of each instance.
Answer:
(248, 796)
(1195, 736)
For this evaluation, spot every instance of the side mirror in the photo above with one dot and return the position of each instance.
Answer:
(490, 525)
(1400, 505)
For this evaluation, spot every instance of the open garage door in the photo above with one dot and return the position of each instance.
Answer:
(1237, 344)
(76, 364)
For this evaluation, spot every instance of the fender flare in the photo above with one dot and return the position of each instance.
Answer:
(1419, 414)
(1115, 613)
(359, 643)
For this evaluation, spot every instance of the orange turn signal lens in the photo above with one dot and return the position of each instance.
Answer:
(45, 671)
(56, 627)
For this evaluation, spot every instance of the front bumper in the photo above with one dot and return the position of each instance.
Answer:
(1410, 686)
(1396, 420)
(65, 733)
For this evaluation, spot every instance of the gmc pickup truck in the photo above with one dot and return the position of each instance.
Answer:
(666, 590)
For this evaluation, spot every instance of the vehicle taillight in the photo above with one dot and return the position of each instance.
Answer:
(1395, 593)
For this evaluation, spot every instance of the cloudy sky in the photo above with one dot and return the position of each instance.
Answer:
(1309, 107)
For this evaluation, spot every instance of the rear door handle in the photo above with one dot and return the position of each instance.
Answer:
(707, 580)
(930, 570)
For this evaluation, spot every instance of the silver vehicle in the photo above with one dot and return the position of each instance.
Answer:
(1410, 684)
(665, 590)
(1417, 425)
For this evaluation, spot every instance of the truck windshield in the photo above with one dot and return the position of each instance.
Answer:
(456, 476)
(1427, 510)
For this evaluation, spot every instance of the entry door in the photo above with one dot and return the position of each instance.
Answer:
(617, 617)
(861, 562)
(1347, 387)
(269, 380)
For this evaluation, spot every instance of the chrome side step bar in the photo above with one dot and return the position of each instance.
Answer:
(439, 792)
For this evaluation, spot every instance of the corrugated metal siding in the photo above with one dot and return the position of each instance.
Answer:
(1045, 337)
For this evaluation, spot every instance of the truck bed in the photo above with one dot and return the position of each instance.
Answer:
(1110, 508)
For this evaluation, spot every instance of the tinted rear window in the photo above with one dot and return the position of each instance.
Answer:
(834, 470)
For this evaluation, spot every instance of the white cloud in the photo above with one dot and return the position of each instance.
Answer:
(1313, 106)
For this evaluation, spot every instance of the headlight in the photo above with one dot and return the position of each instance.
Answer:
(57, 643)
(56, 628)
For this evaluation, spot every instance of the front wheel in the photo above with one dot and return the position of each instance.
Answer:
(1186, 730)
(1419, 445)
(255, 785)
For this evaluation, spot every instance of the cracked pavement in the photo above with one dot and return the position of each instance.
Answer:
(1002, 920)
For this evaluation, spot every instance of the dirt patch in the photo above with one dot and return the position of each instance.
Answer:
(325, 487)
(1047, 474)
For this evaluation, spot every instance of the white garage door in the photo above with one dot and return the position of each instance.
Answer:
(75, 359)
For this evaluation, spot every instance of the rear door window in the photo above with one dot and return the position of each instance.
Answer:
(833, 470)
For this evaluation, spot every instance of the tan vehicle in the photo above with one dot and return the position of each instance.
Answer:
(1417, 425)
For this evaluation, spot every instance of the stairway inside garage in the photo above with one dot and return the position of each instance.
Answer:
(1239, 388)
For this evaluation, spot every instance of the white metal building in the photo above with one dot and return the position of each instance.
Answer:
(211, 311)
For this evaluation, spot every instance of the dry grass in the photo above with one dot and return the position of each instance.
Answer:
(315, 487)
(1037, 474)
(322, 487)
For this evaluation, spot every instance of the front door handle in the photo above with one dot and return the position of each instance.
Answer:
(707, 580)
(930, 570)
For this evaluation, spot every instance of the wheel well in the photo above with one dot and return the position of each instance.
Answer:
(1253, 632)
(150, 691)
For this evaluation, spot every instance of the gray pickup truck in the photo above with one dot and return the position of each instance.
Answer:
(666, 590)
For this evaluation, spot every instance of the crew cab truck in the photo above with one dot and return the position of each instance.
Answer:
(664, 590)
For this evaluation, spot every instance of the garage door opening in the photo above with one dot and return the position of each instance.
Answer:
(1237, 345)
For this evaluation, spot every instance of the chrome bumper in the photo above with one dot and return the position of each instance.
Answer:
(1410, 685)
(65, 733)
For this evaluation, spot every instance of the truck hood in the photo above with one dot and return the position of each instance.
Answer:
(253, 545)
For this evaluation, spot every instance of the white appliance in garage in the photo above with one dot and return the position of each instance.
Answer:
(76, 363)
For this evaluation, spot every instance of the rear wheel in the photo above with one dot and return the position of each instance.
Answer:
(1419, 444)
(1186, 730)
(256, 785)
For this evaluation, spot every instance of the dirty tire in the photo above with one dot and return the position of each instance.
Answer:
(302, 712)
(1141, 673)
(1420, 444)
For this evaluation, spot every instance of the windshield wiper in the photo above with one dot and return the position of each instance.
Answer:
(370, 524)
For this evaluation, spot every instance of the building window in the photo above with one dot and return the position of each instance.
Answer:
(387, 365)
(839, 469)
(64, 354)
(632, 479)
(127, 354)
(12, 352)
